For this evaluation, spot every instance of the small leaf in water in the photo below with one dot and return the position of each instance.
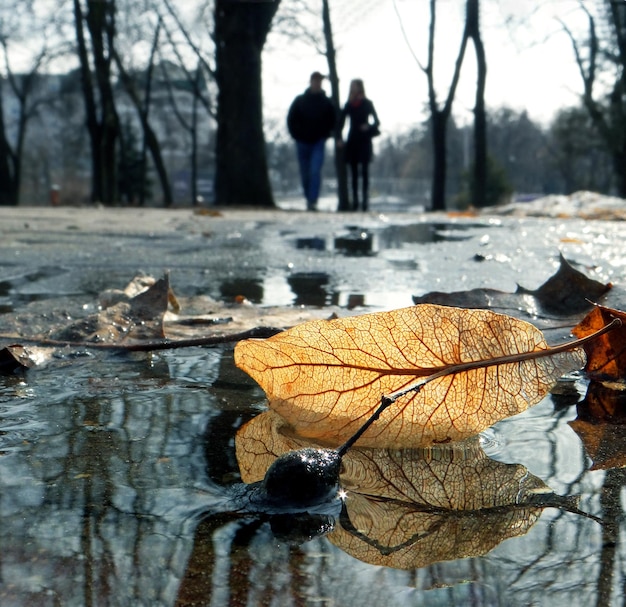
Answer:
(18, 357)
(606, 356)
(567, 292)
(326, 378)
(137, 315)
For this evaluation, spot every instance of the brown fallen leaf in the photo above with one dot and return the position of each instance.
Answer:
(408, 508)
(567, 292)
(139, 317)
(601, 425)
(17, 357)
(606, 356)
(326, 378)
(145, 316)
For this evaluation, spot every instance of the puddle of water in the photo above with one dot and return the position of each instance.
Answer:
(300, 282)
(21, 289)
(236, 288)
(312, 289)
(357, 241)
(113, 469)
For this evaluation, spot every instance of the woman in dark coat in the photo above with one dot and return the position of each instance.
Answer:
(358, 150)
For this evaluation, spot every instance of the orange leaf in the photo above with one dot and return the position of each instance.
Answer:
(327, 377)
(606, 355)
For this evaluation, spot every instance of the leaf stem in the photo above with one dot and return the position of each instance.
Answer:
(389, 399)
(502, 360)
(384, 403)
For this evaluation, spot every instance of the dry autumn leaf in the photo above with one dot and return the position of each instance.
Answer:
(134, 314)
(408, 508)
(17, 357)
(326, 378)
(568, 292)
(606, 356)
(146, 316)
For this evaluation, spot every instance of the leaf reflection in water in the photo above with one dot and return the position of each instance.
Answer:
(600, 424)
(407, 508)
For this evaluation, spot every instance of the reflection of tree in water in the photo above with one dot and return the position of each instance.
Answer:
(97, 508)
(549, 560)
(312, 289)
(611, 557)
(103, 490)
(600, 424)
(570, 556)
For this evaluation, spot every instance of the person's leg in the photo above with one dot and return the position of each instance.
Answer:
(366, 184)
(315, 174)
(354, 171)
(304, 162)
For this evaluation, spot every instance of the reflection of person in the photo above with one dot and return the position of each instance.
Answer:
(359, 144)
(310, 120)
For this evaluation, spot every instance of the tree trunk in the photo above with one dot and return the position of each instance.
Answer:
(340, 163)
(440, 116)
(619, 168)
(101, 115)
(241, 172)
(438, 189)
(144, 113)
(194, 142)
(8, 194)
(479, 194)
(11, 156)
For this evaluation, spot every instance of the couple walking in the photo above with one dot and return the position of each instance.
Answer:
(311, 120)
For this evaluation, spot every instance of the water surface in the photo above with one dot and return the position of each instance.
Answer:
(114, 467)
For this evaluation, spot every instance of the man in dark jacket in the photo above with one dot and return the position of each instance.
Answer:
(310, 120)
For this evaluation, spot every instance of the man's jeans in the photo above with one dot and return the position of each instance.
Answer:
(311, 159)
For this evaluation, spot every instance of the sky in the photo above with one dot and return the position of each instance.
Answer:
(530, 60)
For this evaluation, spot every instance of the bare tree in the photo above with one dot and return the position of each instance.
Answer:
(604, 68)
(150, 141)
(19, 23)
(331, 58)
(440, 115)
(22, 86)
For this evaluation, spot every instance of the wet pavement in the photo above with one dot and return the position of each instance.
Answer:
(372, 261)
(112, 468)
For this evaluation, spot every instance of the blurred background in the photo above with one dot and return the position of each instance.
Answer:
(161, 103)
